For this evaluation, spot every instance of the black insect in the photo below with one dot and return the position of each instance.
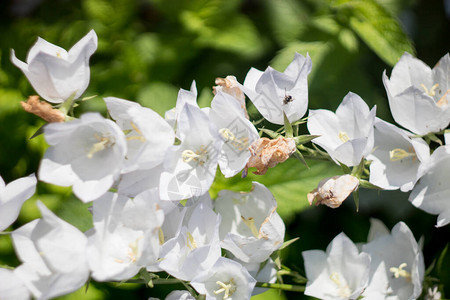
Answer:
(287, 98)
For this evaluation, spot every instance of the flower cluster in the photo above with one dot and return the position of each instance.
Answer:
(148, 179)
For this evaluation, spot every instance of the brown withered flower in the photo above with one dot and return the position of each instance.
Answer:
(267, 153)
(42, 109)
(230, 86)
(333, 191)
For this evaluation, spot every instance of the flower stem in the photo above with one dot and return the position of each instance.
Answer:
(282, 286)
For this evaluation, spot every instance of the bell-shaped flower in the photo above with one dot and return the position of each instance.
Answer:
(432, 191)
(251, 229)
(125, 237)
(148, 134)
(196, 247)
(190, 167)
(56, 74)
(339, 273)
(347, 136)
(231, 86)
(397, 260)
(227, 279)
(237, 132)
(276, 94)
(87, 153)
(12, 287)
(53, 254)
(418, 96)
(184, 97)
(12, 196)
(396, 157)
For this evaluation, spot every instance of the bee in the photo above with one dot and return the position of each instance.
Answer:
(287, 98)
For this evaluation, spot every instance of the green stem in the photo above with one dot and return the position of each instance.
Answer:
(281, 286)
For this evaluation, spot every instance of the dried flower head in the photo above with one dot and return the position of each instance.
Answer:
(230, 86)
(266, 153)
(334, 190)
(42, 109)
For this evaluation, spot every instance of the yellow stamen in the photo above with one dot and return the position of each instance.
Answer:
(58, 55)
(104, 142)
(432, 91)
(139, 137)
(250, 222)
(400, 272)
(133, 249)
(161, 236)
(227, 288)
(443, 101)
(399, 154)
(200, 156)
(229, 136)
(343, 136)
(343, 289)
(191, 241)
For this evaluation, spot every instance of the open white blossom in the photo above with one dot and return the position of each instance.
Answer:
(396, 157)
(251, 229)
(56, 74)
(237, 132)
(432, 191)
(418, 96)
(340, 273)
(347, 136)
(12, 196)
(397, 267)
(53, 256)
(227, 279)
(87, 153)
(276, 94)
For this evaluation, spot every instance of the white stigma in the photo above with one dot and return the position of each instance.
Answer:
(227, 288)
(200, 156)
(229, 136)
(343, 289)
(104, 142)
(400, 272)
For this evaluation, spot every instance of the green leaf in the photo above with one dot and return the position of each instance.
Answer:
(440, 261)
(158, 96)
(377, 28)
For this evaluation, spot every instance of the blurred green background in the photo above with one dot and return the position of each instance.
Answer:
(148, 49)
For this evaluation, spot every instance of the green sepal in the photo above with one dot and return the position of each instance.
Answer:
(287, 243)
(88, 98)
(356, 199)
(367, 185)
(303, 139)
(288, 127)
(345, 168)
(272, 134)
(358, 170)
(38, 132)
(298, 155)
(440, 261)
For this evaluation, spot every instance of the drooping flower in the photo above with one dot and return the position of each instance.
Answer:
(339, 273)
(333, 191)
(396, 157)
(56, 74)
(397, 267)
(347, 136)
(12, 196)
(237, 132)
(227, 279)
(251, 229)
(276, 94)
(418, 96)
(432, 192)
(87, 153)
